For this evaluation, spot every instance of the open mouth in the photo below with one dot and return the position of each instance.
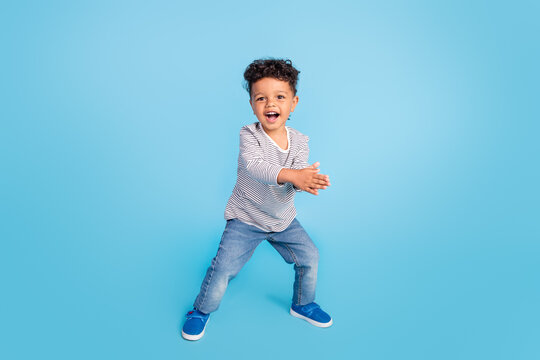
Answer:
(271, 116)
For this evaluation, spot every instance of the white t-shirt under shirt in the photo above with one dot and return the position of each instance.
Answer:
(257, 199)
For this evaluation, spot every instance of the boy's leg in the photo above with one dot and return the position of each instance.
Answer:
(238, 243)
(295, 246)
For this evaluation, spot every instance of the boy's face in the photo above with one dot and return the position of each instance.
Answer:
(272, 101)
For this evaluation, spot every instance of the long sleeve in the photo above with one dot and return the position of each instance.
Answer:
(251, 156)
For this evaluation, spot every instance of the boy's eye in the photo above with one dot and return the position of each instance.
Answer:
(261, 98)
(281, 97)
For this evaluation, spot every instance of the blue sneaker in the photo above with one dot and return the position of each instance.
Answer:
(195, 324)
(312, 313)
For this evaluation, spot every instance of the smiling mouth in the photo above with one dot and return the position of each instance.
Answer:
(271, 116)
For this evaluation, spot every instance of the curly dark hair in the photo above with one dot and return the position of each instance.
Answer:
(281, 69)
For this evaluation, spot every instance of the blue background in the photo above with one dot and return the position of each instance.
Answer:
(119, 143)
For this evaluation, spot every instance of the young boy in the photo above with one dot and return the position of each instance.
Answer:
(272, 167)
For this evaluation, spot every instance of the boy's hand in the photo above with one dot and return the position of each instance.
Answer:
(308, 179)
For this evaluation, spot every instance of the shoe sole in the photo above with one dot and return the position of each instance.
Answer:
(195, 337)
(311, 321)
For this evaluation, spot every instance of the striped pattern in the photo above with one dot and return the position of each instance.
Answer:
(257, 199)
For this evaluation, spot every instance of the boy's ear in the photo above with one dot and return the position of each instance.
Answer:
(294, 103)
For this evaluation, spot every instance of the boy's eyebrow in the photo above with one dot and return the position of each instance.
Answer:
(279, 91)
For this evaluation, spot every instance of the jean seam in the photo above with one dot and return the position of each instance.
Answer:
(299, 289)
(207, 286)
(213, 267)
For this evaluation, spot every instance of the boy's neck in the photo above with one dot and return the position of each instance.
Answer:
(279, 136)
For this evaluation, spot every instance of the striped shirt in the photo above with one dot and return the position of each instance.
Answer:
(257, 199)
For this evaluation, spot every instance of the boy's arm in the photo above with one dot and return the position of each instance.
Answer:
(287, 175)
(252, 156)
(307, 179)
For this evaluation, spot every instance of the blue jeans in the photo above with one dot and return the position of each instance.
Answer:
(238, 243)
